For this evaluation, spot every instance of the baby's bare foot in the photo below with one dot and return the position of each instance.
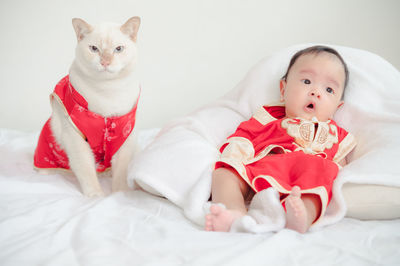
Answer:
(220, 219)
(296, 213)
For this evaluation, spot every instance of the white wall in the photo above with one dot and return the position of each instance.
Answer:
(191, 52)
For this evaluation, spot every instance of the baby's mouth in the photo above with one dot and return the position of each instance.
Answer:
(310, 107)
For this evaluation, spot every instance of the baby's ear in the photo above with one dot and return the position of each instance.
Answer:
(131, 27)
(282, 87)
(81, 28)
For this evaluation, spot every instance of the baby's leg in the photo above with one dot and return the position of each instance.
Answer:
(301, 211)
(229, 189)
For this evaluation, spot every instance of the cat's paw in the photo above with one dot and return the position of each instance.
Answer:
(120, 186)
(91, 193)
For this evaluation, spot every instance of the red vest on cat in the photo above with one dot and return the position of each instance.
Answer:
(105, 135)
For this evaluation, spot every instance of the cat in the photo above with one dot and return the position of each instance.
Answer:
(94, 108)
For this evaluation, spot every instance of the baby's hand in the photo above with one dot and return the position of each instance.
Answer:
(343, 162)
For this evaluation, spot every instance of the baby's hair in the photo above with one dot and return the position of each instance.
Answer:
(317, 49)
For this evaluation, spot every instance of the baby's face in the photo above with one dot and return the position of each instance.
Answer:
(313, 87)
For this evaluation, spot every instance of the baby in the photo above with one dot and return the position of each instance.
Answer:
(294, 146)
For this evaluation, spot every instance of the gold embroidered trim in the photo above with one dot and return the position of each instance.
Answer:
(55, 170)
(55, 96)
(239, 149)
(263, 116)
(345, 147)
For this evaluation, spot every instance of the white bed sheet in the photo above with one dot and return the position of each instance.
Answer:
(45, 220)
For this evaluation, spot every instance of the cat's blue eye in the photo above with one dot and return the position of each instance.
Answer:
(93, 48)
(306, 81)
(329, 90)
(119, 49)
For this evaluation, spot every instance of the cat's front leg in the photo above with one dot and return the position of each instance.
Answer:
(80, 155)
(120, 162)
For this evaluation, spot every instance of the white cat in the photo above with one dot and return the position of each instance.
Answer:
(85, 125)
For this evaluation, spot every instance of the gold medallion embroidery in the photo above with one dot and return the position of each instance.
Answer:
(311, 137)
(305, 131)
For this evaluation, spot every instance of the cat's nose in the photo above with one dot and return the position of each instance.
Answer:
(105, 63)
(105, 59)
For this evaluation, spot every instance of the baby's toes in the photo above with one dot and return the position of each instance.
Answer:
(208, 225)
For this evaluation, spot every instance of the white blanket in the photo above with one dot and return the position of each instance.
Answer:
(178, 164)
(46, 221)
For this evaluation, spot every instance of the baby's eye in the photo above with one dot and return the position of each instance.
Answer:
(119, 49)
(306, 81)
(330, 90)
(93, 48)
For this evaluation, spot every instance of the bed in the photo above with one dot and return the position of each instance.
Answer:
(45, 220)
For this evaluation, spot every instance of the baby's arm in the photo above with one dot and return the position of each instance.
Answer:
(347, 143)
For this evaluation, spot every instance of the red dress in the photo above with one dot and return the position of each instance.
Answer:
(105, 135)
(272, 150)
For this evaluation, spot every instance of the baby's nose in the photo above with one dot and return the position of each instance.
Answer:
(315, 93)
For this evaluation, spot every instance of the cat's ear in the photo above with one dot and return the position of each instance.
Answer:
(81, 28)
(131, 27)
